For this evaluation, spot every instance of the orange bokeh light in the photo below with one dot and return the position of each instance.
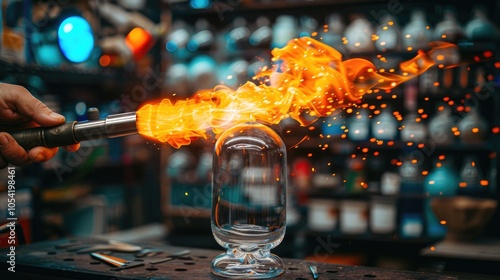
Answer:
(139, 41)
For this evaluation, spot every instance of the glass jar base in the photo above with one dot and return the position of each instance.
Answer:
(247, 266)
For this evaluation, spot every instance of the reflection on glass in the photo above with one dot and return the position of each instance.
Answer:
(249, 202)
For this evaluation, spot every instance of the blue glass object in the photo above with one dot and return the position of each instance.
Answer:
(442, 181)
(199, 4)
(76, 39)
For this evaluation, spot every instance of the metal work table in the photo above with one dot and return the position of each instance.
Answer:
(50, 260)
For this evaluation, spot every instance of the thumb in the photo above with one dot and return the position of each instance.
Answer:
(28, 106)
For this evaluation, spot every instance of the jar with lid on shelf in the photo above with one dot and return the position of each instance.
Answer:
(384, 125)
(237, 36)
(358, 35)
(449, 29)
(441, 126)
(284, 29)
(388, 34)
(359, 125)
(473, 127)
(262, 33)
(383, 215)
(417, 33)
(333, 32)
(472, 182)
(412, 129)
(353, 216)
(410, 172)
(203, 37)
(480, 27)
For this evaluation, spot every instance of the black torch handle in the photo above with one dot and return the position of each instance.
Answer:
(50, 137)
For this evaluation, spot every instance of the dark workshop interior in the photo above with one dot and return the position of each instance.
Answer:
(377, 127)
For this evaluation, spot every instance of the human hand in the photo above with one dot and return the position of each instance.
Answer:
(19, 110)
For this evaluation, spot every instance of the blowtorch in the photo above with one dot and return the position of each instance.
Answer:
(114, 125)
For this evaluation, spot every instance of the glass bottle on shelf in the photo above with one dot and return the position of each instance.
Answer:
(262, 34)
(203, 37)
(383, 214)
(233, 73)
(284, 29)
(333, 31)
(358, 35)
(442, 181)
(202, 71)
(473, 127)
(177, 80)
(448, 29)
(238, 35)
(480, 27)
(308, 25)
(359, 125)
(472, 182)
(417, 33)
(388, 34)
(249, 184)
(411, 175)
(177, 39)
(410, 206)
(413, 130)
(441, 126)
(384, 125)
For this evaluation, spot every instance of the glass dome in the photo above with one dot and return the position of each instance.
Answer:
(249, 201)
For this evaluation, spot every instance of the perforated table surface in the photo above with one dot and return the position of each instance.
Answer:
(51, 260)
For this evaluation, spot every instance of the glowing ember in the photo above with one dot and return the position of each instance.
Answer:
(309, 79)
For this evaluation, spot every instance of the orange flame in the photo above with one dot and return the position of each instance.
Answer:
(309, 77)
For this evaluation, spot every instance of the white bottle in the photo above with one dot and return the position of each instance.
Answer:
(284, 30)
(413, 130)
(448, 29)
(385, 125)
(417, 33)
(359, 126)
(358, 35)
(388, 35)
(441, 126)
(333, 32)
(473, 127)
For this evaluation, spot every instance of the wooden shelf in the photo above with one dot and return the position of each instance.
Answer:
(66, 76)
(352, 146)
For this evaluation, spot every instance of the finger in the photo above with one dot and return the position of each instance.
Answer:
(42, 154)
(11, 151)
(72, 148)
(28, 106)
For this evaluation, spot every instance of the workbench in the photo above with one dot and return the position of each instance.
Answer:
(50, 260)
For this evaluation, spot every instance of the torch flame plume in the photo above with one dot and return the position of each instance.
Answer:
(308, 77)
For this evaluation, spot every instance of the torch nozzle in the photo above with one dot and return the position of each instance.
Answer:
(112, 126)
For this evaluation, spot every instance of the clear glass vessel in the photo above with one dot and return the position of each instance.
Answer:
(249, 201)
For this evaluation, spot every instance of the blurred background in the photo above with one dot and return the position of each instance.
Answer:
(385, 183)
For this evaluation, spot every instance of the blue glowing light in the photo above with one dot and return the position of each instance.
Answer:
(193, 46)
(199, 4)
(76, 39)
(171, 46)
